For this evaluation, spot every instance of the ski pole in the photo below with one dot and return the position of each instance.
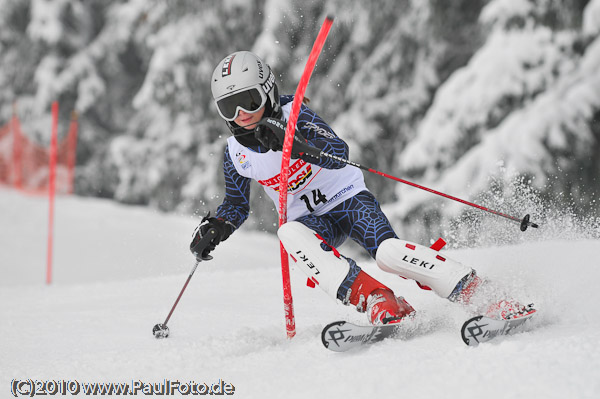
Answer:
(161, 330)
(277, 125)
(524, 223)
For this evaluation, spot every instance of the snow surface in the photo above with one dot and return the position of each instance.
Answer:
(118, 270)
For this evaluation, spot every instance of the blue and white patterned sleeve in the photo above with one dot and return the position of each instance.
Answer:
(319, 134)
(236, 205)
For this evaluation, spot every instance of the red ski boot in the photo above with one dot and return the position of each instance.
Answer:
(380, 303)
(506, 310)
(383, 307)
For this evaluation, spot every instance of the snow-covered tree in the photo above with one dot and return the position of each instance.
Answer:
(465, 96)
(526, 105)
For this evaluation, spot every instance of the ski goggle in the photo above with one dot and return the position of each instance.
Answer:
(250, 100)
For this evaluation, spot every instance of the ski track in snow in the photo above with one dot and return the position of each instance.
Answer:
(118, 270)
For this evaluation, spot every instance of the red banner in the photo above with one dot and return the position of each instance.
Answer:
(25, 163)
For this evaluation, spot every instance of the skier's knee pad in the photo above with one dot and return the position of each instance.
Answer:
(421, 264)
(327, 269)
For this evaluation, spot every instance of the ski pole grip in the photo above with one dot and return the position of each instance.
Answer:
(307, 148)
(199, 247)
(207, 239)
(277, 126)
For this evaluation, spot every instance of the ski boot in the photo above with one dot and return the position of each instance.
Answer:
(383, 307)
(377, 300)
(471, 285)
(508, 310)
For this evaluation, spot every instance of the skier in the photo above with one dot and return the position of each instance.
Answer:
(327, 200)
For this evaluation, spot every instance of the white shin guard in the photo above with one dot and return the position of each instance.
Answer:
(324, 268)
(421, 264)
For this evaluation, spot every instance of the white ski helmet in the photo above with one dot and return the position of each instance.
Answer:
(243, 81)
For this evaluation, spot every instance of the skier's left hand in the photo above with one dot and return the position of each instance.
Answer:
(271, 133)
(223, 229)
(268, 138)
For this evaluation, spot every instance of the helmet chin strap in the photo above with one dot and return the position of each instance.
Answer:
(245, 137)
(251, 131)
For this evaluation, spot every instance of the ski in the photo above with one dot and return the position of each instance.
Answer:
(481, 329)
(341, 336)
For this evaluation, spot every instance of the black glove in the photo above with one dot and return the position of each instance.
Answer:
(201, 248)
(271, 133)
(267, 138)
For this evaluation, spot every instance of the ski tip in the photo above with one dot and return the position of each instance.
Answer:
(463, 331)
(325, 331)
(481, 329)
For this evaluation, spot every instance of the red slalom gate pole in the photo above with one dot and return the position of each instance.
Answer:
(52, 190)
(290, 321)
